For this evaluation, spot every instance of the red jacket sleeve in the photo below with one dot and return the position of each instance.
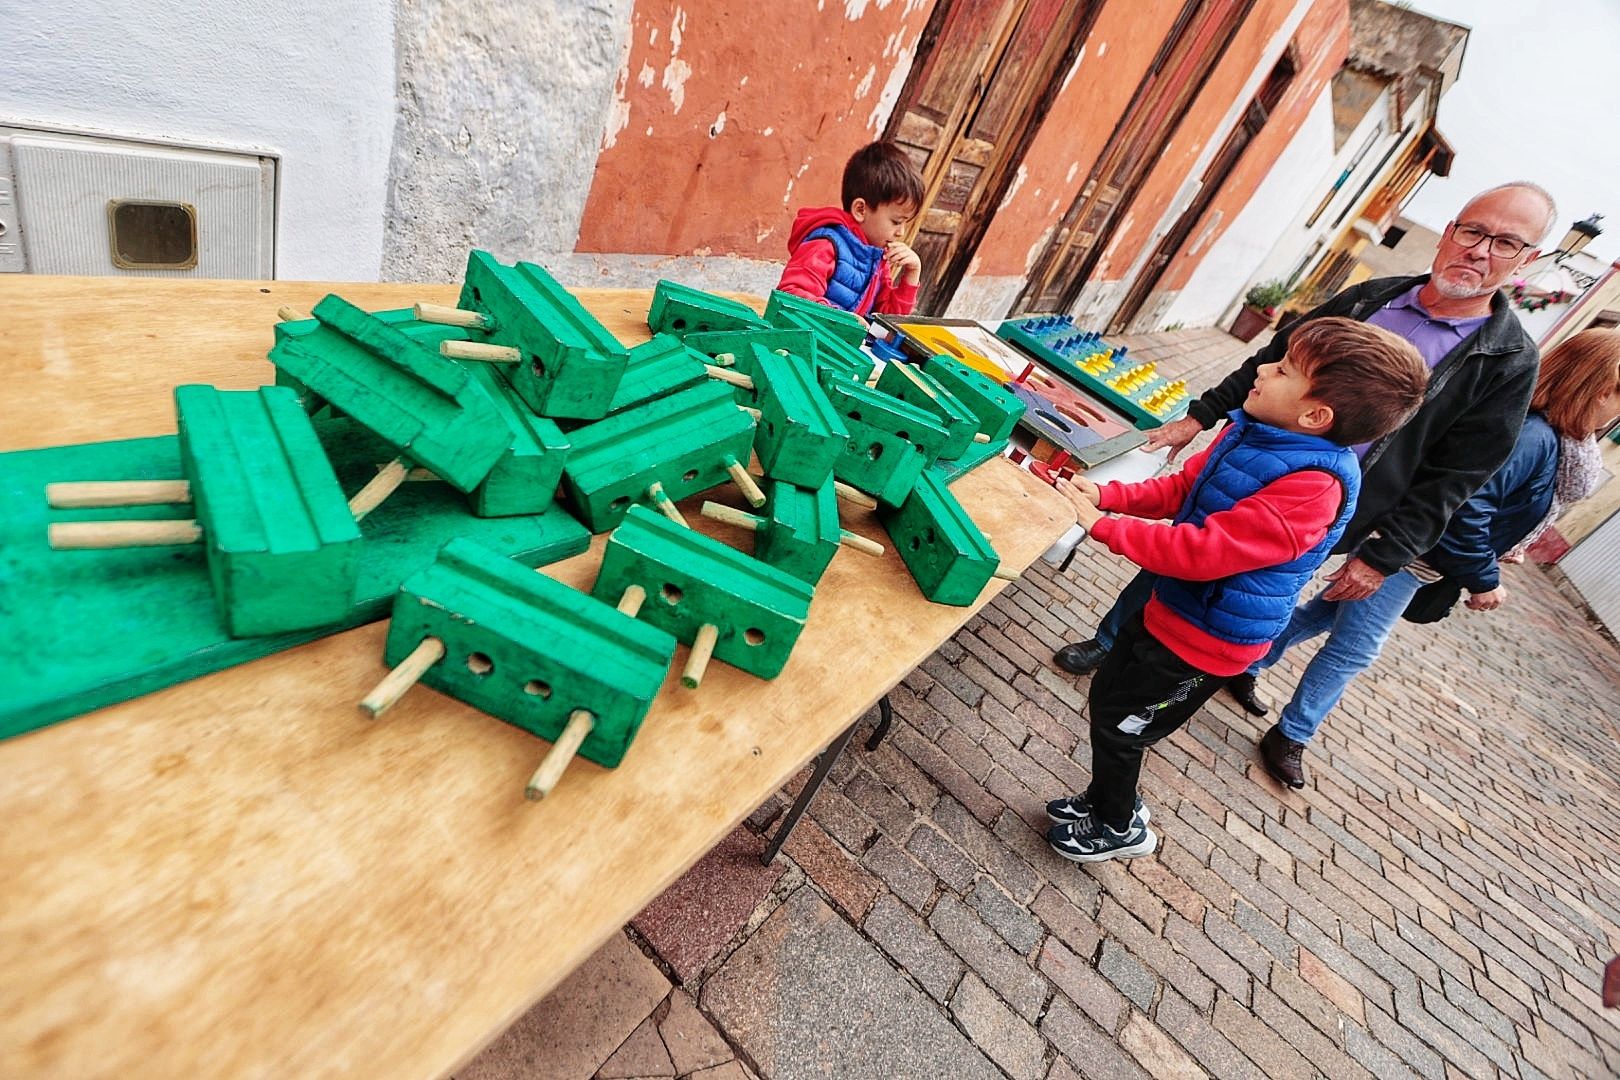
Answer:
(809, 269)
(1159, 497)
(894, 299)
(1276, 524)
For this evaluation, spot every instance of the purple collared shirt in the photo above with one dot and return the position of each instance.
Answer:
(1433, 337)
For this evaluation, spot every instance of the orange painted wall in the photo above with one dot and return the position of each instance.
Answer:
(1206, 121)
(734, 113)
(1121, 45)
(1323, 40)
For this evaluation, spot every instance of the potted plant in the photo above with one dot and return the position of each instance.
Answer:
(1259, 308)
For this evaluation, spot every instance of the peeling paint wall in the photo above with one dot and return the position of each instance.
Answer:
(502, 108)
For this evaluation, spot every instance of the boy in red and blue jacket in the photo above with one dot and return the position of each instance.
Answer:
(1254, 515)
(853, 258)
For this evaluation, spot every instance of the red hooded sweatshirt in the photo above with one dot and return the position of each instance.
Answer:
(810, 264)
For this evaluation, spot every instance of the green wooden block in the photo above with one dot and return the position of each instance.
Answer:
(571, 364)
(430, 409)
(946, 553)
(657, 368)
(526, 475)
(834, 355)
(738, 343)
(686, 442)
(60, 609)
(890, 443)
(953, 469)
(800, 532)
(846, 326)
(918, 388)
(680, 310)
(283, 550)
(997, 408)
(799, 434)
(693, 581)
(429, 334)
(529, 650)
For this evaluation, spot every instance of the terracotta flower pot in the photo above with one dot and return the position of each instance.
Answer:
(1249, 322)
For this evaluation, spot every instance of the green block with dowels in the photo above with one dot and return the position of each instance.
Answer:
(526, 477)
(283, 549)
(404, 319)
(997, 408)
(890, 443)
(920, 389)
(680, 310)
(706, 594)
(834, 355)
(569, 365)
(951, 470)
(946, 553)
(429, 408)
(846, 326)
(657, 368)
(738, 344)
(799, 434)
(797, 532)
(686, 442)
(529, 650)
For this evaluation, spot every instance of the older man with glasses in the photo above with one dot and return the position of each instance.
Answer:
(1482, 372)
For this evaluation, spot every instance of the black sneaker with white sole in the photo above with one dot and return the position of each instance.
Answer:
(1075, 808)
(1093, 841)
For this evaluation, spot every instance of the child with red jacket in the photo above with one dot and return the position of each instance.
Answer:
(1253, 516)
(853, 258)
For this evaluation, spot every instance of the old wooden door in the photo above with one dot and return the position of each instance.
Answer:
(1200, 35)
(985, 74)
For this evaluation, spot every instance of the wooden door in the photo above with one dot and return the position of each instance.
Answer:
(986, 73)
(1189, 53)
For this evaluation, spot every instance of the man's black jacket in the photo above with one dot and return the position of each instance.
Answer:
(1416, 477)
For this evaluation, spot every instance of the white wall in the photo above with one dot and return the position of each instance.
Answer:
(311, 82)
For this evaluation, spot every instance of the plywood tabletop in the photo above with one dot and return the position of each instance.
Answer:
(242, 875)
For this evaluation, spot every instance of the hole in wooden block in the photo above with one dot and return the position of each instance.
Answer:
(754, 636)
(930, 535)
(618, 504)
(678, 324)
(855, 415)
(537, 365)
(916, 542)
(874, 451)
(902, 435)
(689, 475)
(538, 687)
(478, 297)
(672, 593)
(479, 663)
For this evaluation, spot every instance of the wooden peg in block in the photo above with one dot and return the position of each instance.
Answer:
(729, 516)
(85, 494)
(860, 543)
(1005, 574)
(698, 661)
(745, 481)
(580, 723)
(287, 313)
(854, 497)
(68, 535)
(480, 350)
(751, 411)
(404, 676)
(379, 487)
(655, 492)
(445, 315)
(726, 375)
(980, 437)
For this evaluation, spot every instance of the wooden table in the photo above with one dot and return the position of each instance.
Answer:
(242, 876)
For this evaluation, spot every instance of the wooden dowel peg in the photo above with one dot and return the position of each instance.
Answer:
(452, 316)
(418, 475)
(480, 350)
(368, 498)
(860, 543)
(745, 481)
(698, 662)
(79, 494)
(980, 437)
(726, 359)
(1005, 574)
(751, 411)
(731, 516)
(287, 313)
(66, 535)
(726, 375)
(873, 381)
(630, 603)
(850, 495)
(666, 506)
(580, 722)
(905, 369)
(385, 694)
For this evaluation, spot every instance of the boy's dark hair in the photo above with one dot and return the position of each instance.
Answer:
(1373, 380)
(881, 173)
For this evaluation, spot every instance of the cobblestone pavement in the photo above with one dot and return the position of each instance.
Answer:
(1438, 901)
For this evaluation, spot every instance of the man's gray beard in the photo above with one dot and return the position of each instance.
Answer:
(1453, 291)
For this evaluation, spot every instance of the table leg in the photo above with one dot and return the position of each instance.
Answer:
(885, 718)
(824, 764)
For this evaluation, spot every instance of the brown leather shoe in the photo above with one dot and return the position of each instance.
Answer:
(1081, 658)
(1282, 757)
(1243, 691)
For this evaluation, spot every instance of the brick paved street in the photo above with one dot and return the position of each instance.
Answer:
(1438, 902)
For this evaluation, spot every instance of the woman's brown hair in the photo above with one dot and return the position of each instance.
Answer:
(1575, 374)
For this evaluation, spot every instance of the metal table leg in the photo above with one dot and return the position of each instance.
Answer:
(824, 764)
(885, 718)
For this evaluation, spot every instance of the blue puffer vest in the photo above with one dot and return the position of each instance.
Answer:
(1252, 608)
(858, 261)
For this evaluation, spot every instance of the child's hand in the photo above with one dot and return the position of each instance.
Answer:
(902, 262)
(1084, 502)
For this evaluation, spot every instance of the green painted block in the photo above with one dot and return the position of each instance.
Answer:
(529, 650)
(429, 408)
(684, 441)
(953, 469)
(429, 334)
(846, 326)
(890, 443)
(283, 550)
(59, 609)
(738, 344)
(922, 390)
(658, 368)
(526, 476)
(680, 310)
(834, 355)
(799, 434)
(571, 364)
(946, 553)
(692, 581)
(800, 532)
(997, 408)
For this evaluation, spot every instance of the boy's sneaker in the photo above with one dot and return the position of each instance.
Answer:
(1075, 808)
(1093, 841)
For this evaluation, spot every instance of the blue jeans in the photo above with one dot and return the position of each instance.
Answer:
(1356, 630)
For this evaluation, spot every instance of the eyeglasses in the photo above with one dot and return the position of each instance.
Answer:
(1502, 245)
